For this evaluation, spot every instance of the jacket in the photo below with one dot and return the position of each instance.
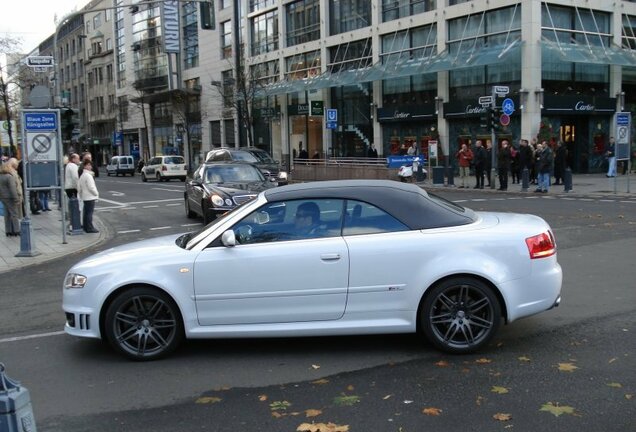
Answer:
(86, 188)
(71, 176)
(464, 158)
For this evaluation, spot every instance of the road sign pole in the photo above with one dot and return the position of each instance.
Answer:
(493, 153)
(26, 248)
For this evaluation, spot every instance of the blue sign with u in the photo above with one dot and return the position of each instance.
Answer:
(332, 115)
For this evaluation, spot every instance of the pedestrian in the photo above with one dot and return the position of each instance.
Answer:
(372, 153)
(464, 157)
(11, 197)
(302, 154)
(87, 191)
(534, 147)
(479, 160)
(611, 158)
(514, 164)
(43, 196)
(546, 161)
(489, 162)
(412, 150)
(403, 150)
(560, 156)
(71, 175)
(525, 158)
(503, 165)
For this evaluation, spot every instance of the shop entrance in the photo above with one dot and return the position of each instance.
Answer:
(574, 134)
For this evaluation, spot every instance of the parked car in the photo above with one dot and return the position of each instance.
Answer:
(316, 259)
(164, 168)
(268, 166)
(121, 165)
(218, 187)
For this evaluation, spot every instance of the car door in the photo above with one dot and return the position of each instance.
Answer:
(194, 191)
(277, 275)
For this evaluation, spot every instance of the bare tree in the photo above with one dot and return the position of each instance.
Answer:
(183, 104)
(140, 102)
(239, 93)
(9, 45)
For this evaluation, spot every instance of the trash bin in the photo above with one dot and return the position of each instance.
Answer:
(438, 175)
(16, 414)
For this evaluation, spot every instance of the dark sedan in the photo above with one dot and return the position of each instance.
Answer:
(218, 187)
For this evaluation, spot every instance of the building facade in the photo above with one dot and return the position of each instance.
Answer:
(183, 77)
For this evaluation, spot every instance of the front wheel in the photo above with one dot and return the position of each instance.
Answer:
(143, 324)
(189, 213)
(143, 178)
(460, 315)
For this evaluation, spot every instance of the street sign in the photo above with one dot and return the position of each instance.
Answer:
(332, 125)
(508, 106)
(40, 61)
(485, 100)
(332, 115)
(504, 119)
(40, 121)
(501, 90)
(623, 139)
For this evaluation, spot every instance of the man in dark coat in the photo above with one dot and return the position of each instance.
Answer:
(559, 163)
(503, 165)
(525, 157)
(479, 159)
(489, 162)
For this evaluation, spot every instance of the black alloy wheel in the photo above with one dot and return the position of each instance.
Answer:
(143, 324)
(460, 315)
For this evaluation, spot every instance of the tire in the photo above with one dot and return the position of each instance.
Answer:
(158, 177)
(207, 217)
(143, 178)
(143, 324)
(189, 213)
(460, 315)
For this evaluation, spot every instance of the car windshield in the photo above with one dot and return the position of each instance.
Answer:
(173, 160)
(244, 156)
(263, 156)
(232, 174)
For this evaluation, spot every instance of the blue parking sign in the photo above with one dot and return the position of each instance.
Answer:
(332, 115)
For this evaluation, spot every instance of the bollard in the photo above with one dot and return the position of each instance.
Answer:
(567, 180)
(16, 413)
(525, 180)
(26, 248)
(73, 209)
(450, 175)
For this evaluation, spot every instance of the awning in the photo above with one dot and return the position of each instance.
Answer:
(467, 56)
(592, 54)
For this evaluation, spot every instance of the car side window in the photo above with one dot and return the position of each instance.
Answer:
(291, 220)
(221, 156)
(364, 218)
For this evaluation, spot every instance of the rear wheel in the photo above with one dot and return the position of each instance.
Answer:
(460, 315)
(158, 176)
(143, 177)
(143, 324)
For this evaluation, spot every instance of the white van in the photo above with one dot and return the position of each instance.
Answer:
(121, 165)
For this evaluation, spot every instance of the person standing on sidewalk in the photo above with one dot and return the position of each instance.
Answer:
(71, 176)
(503, 164)
(545, 167)
(11, 197)
(87, 191)
(480, 164)
(560, 161)
(525, 158)
(611, 158)
(464, 157)
(489, 162)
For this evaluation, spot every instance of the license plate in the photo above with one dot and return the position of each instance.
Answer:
(175, 168)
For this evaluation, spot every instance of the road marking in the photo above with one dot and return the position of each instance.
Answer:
(128, 231)
(172, 205)
(151, 206)
(190, 224)
(606, 201)
(160, 228)
(169, 190)
(117, 203)
(33, 336)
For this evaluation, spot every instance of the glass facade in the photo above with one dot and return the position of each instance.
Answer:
(303, 21)
(265, 33)
(151, 64)
(394, 9)
(348, 15)
(190, 34)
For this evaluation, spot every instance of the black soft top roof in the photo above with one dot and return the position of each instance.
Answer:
(406, 202)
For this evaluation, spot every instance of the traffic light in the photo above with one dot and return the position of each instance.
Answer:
(66, 124)
(494, 119)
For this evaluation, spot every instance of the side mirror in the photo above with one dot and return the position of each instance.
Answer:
(228, 238)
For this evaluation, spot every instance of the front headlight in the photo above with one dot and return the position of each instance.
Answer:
(217, 200)
(74, 280)
(282, 175)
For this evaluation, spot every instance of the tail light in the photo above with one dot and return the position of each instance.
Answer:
(542, 245)
(164, 168)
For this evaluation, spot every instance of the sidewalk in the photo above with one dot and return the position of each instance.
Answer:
(46, 228)
(46, 238)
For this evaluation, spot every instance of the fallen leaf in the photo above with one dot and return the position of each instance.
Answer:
(350, 388)
(524, 359)
(612, 360)
(614, 385)
(320, 381)
(276, 414)
(479, 400)
(483, 361)
(315, 366)
(557, 409)
(567, 367)
(386, 397)
(262, 398)
(294, 414)
(208, 400)
(629, 396)
(322, 427)
(502, 417)
(499, 390)
(346, 400)
(279, 405)
(442, 363)
(432, 411)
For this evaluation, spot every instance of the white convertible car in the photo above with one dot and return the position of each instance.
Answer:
(324, 258)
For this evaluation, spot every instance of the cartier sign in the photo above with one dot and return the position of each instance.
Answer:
(582, 106)
(476, 110)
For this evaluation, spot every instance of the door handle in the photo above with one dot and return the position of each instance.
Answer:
(330, 257)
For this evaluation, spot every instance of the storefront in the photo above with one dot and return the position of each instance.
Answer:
(305, 127)
(404, 126)
(583, 124)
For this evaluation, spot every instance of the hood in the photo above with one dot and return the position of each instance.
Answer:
(238, 188)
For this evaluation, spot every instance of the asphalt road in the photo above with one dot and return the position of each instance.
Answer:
(580, 355)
